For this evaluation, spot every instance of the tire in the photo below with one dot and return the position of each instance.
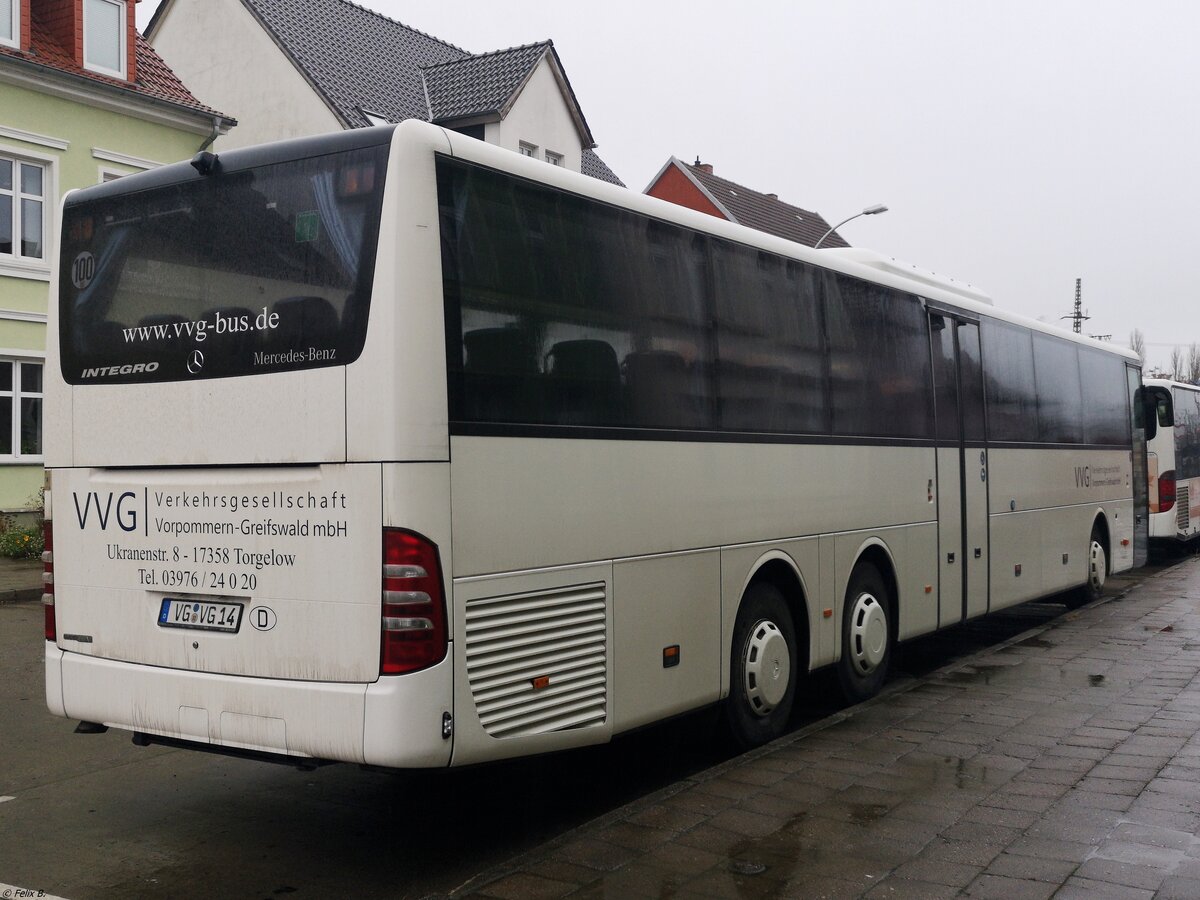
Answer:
(866, 635)
(763, 668)
(1097, 573)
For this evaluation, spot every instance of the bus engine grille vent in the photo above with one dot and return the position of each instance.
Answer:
(538, 662)
(1183, 508)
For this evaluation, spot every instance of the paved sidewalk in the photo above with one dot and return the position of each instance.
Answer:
(20, 580)
(1066, 763)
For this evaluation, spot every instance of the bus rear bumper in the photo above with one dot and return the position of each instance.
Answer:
(395, 722)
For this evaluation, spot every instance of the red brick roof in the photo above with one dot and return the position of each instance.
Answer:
(154, 80)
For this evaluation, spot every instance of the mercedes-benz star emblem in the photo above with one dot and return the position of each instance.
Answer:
(195, 362)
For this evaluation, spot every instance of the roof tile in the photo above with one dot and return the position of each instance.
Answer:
(479, 85)
(766, 212)
(154, 78)
(593, 165)
(356, 58)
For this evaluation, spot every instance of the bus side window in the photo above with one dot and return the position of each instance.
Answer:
(501, 374)
(584, 383)
(660, 390)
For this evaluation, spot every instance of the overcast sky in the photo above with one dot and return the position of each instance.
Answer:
(1019, 144)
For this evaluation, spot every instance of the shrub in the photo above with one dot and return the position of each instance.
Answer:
(21, 543)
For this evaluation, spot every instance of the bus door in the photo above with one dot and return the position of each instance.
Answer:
(962, 468)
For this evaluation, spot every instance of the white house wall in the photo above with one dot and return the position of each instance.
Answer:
(229, 62)
(540, 117)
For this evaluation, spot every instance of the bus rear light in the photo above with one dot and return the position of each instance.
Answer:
(48, 580)
(413, 623)
(403, 572)
(1166, 491)
(406, 597)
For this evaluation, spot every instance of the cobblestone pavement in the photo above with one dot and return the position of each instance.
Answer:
(1064, 763)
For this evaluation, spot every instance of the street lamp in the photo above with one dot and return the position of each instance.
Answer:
(869, 211)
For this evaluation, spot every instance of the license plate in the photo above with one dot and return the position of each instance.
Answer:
(205, 615)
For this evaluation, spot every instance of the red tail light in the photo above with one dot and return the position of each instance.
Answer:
(413, 626)
(48, 580)
(1166, 491)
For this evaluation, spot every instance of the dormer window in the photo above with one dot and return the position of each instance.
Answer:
(10, 23)
(104, 35)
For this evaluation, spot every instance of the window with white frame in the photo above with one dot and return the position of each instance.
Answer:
(20, 409)
(10, 23)
(555, 159)
(104, 29)
(528, 149)
(22, 209)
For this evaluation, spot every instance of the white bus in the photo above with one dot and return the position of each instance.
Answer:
(394, 447)
(1173, 460)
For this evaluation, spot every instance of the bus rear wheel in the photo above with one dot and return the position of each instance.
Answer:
(762, 671)
(866, 635)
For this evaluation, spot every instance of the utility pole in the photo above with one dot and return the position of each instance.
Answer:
(1078, 317)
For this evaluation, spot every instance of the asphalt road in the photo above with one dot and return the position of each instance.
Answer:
(92, 816)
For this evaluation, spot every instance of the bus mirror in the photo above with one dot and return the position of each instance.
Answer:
(1149, 411)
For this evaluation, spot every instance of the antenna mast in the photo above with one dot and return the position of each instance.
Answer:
(1078, 318)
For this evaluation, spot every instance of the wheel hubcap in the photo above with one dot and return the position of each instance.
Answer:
(868, 633)
(767, 667)
(1098, 567)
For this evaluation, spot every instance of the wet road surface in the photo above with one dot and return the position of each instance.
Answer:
(94, 817)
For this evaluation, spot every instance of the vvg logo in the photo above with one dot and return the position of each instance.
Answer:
(123, 512)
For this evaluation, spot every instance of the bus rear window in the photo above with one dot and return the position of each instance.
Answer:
(261, 270)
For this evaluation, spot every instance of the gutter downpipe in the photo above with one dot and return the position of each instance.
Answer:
(216, 130)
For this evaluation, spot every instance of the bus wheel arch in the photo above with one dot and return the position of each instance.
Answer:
(869, 625)
(768, 652)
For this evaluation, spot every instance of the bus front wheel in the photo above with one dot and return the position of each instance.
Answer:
(763, 660)
(1097, 572)
(866, 635)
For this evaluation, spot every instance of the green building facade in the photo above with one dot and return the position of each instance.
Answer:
(63, 126)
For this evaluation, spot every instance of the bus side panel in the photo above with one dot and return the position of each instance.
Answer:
(570, 501)
(1043, 503)
(661, 602)
(1016, 576)
(534, 662)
